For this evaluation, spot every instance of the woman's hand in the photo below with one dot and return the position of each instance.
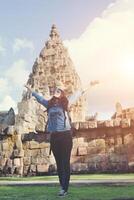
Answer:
(91, 84)
(29, 88)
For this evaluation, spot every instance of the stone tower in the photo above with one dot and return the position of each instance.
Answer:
(52, 64)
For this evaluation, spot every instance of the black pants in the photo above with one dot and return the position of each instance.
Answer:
(61, 145)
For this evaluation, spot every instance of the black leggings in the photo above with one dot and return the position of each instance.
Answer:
(61, 145)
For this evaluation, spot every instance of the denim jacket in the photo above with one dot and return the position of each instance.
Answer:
(56, 114)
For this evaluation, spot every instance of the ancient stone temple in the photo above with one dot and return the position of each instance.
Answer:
(123, 113)
(52, 64)
(98, 146)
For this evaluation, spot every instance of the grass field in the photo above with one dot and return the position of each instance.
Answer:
(73, 177)
(75, 193)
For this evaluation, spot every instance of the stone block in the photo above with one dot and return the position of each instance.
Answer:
(51, 159)
(131, 165)
(3, 162)
(92, 143)
(83, 125)
(5, 146)
(108, 123)
(27, 160)
(9, 163)
(33, 145)
(75, 141)
(44, 152)
(82, 151)
(42, 168)
(17, 162)
(92, 150)
(27, 153)
(76, 125)
(74, 151)
(92, 124)
(129, 138)
(96, 158)
(11, 130)
(77, 159)
(116, 122)
(79, 167)
(18, 153)
(25, 170)
(100, 124)
(34, 160)
(117, 158)
(43, 160)
(26, 145)
(35, 152)
(33, 168)
(43, 145)
(125, 123)
(80, 140)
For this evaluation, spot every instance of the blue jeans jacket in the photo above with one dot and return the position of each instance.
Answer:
(58, 119)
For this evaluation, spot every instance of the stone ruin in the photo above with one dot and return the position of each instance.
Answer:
(98, 146)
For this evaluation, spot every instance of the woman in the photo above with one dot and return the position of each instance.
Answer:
(60, 128)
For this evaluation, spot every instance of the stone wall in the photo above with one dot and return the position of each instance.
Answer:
(98, 146)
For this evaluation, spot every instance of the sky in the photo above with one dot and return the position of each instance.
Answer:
(97, 33)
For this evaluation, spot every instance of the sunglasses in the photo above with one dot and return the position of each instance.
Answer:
(57, 91)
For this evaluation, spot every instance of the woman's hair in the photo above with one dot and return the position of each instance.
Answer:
(59, 101)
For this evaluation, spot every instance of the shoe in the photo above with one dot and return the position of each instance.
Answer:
(62, 193)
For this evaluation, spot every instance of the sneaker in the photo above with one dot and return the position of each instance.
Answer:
(62, 193)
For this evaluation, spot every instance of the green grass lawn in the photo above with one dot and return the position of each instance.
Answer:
(73, 177)
(75, 193)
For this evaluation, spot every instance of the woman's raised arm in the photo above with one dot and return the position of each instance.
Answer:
(38, 97)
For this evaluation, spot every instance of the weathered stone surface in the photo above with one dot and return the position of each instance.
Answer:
(18, 153)
(27, 160)
(128, 138)
(76, 125)
(92, 124)
(10, 130)
(82, 151)
(33, 168)
(44, 145)
(108, 123)
(52, 64)
(5, 146)
(125, 123)
(116, 122)
(33, 145)
(74, 152)
(100, 124)
(17, 162)
(79, 167)
(42, 168)
(3, 162)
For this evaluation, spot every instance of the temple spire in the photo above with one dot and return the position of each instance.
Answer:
(54, 33)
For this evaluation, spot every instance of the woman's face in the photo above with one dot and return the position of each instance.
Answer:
(57, 93)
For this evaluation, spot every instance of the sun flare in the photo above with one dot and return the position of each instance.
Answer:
(127, 66)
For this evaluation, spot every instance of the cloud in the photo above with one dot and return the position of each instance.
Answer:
(7, 103)
(11, 85)
(105, 52)
(4, 88)
(2, 49)
(17, 74)
(22, 44)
